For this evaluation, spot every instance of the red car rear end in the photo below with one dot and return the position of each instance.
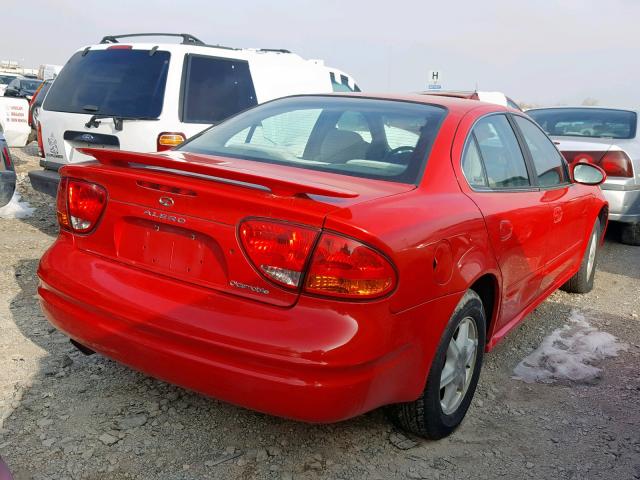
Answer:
(312, 282)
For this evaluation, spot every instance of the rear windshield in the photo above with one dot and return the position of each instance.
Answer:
(586, 122)
(119, 82)
(360, 137)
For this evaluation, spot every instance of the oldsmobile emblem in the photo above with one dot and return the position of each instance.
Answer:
(166, 201)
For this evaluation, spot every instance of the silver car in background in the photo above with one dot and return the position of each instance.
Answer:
(609, 138)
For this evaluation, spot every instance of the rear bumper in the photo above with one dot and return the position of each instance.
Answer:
(7, 186)
(318, 361)
(45, 181)
(624, 205)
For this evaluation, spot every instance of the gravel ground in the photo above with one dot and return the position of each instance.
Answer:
(67, 416)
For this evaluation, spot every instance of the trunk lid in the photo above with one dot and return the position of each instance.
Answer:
(176, 214)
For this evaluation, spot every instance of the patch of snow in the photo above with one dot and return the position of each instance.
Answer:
(16, 209)
(569, 353)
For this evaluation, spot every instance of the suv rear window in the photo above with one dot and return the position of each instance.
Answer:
(215, 88)
(586, 122)
(119, 82)
(361, 137)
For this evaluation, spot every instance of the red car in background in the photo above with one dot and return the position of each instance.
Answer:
(317, 257)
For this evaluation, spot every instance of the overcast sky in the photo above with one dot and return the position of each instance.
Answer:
(544, 52)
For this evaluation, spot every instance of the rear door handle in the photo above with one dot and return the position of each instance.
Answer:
(557, 214)
(506, 230)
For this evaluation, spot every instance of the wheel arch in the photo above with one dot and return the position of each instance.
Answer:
(488, 289)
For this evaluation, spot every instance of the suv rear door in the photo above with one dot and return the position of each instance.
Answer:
(119, 81)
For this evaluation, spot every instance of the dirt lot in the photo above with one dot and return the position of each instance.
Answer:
(64, 415)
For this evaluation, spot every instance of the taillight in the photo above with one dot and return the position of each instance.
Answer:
(168, 140)
(79, 204)
(343, 267)
(616, 164)
(278, 250)
(40, 144)
(119, 47)
(7, 158)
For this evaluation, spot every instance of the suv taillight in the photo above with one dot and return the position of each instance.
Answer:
(343, 267)
(278, 250)
(168, 140)
(40, 144)
(339, 267)
(616, 164)
(79, 204)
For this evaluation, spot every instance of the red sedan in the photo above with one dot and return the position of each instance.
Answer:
(317, 257)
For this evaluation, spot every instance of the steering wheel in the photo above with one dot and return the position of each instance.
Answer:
(402, 150)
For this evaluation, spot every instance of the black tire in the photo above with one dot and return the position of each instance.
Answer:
(425, 416)
(582, 281)
(631, 233)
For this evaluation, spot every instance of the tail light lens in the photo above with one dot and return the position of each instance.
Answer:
(278, 250)
(7, 159)
(79, 204)
(343, 267)
(340, 266)
(617, 164)
(40, 144)
(168, 140)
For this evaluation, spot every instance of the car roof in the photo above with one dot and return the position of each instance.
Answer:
(453, 104)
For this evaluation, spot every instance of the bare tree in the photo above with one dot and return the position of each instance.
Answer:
(590, 102)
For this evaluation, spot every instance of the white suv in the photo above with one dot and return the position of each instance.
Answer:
(152, 96)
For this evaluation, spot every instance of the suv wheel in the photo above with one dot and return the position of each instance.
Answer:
(453, 376)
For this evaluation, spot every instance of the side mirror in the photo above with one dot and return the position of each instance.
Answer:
(11, 92)
(588, 174)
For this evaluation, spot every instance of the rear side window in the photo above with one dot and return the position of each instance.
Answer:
(546, 159)
(503, 160)
(119, 82)
(472, 164)
(215, 88)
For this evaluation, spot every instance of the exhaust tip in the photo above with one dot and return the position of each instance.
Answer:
(82, 348)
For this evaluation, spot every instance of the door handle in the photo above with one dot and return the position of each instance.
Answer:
(557, 214)
(506, 230)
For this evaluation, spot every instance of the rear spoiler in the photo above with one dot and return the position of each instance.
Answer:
(201, 165)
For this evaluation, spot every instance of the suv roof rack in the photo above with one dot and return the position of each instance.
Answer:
(277, 50)
(187, 38)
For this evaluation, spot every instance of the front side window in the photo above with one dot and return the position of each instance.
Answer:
(548, 163)
(360, 137)
(503, 160)
(586, 122)
(119, 82)
(215, 88)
